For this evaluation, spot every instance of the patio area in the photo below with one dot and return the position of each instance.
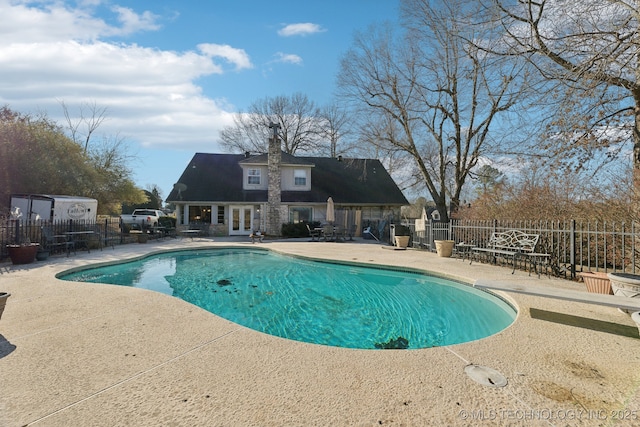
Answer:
(74, 354)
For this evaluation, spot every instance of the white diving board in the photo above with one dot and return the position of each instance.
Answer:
(632, 304)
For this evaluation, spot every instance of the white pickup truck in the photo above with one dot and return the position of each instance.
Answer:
(142, 219)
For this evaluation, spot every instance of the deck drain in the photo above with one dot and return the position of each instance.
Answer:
(485, 376)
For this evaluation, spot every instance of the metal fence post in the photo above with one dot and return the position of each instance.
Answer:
(572, 249)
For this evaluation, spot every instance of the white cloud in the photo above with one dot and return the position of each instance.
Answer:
(288, 58)
(301, 29)
(238, 57)
(150, 94)
(133, 22)
(21, 23)
(53, 53)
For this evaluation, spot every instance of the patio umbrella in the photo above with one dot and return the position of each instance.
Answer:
(331, 214)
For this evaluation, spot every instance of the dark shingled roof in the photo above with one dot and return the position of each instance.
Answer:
(217, 178)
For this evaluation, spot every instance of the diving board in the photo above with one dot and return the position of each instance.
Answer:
(632, 304)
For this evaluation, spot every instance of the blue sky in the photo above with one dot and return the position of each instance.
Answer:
(172, 73)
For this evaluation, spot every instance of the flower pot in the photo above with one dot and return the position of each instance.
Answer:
(42, 255)
(23, 254)
(444, 248)
(402, 241)
(597, 282)
(3, 301)
(625, 284)
(143, 238)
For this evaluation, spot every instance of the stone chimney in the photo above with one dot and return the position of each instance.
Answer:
(274, 193)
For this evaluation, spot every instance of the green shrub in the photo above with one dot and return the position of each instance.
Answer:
(167, 221)
(291, 230)
(402, 230)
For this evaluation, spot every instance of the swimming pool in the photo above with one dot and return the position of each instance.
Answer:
(343, 305)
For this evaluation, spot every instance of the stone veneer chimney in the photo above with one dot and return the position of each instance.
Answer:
(274, 193)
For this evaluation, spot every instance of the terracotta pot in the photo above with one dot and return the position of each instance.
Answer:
(23, 254)
(597, 282)
(444, 248)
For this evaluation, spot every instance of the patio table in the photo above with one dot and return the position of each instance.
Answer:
(81, 237)
(464, 249)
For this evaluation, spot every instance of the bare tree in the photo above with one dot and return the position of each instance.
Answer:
(591, 51)
(334, 126)
(84, 126)
(431, 95)
(296, 115)
(108, 155)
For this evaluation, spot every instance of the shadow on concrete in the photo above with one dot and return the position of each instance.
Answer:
(6, 348)
(585, 322)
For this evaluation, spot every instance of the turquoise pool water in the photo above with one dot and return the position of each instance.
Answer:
(317, 302)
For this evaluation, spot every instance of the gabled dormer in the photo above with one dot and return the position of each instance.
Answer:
(295, 173)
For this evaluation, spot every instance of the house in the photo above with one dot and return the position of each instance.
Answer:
(235, 194)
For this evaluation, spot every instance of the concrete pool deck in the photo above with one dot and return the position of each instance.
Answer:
(75, 354)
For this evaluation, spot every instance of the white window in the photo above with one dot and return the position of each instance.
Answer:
(253, 176)
(300, 178)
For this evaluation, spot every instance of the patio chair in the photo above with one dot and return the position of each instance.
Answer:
(328, 233)
(256, 235)
(314, 234)
(55, 241)
(351, 232)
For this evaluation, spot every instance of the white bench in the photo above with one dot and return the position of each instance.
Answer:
(514, 244)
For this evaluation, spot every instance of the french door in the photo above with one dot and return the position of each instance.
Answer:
(241, 220)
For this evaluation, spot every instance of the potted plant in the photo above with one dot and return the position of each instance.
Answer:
(3, 301)
(21, 251)
(24, 253)
(402, 236)
(597, 282)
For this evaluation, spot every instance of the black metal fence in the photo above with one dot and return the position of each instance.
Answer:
(573, 247)
(106, 231)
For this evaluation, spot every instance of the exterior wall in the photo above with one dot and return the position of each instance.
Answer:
(288, 179)
(264, 178)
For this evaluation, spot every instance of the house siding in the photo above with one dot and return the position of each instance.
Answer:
(288, 179)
